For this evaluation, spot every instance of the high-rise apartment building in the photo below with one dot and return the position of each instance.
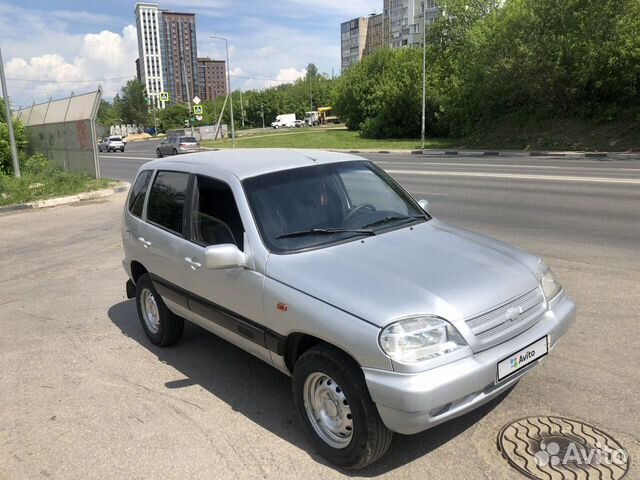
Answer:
(403, 20)
(168, 54)
(212, 77)
(179, 55)
(359, 37)
(150, 67)
(375, 34)
(353, 40)
(400, 25)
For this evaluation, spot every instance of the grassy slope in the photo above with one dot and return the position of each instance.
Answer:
(330, 138)
(17, 190)
(559, 134)
(508, 133)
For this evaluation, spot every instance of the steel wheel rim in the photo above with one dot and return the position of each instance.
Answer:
(150, 312)
(328, 410)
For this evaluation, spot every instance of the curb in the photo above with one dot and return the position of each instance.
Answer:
(501, 153)
(67, 200)
(533, 153)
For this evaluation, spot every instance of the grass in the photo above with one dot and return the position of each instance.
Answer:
(325, 138)
(46, 184)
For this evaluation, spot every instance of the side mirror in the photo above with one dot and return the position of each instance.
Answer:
(424, 204)
(223, 256)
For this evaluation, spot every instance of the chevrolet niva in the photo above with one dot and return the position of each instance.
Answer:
(320, 264)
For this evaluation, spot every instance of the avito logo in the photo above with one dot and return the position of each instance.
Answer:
(519, 359)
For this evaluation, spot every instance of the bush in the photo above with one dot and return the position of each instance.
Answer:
(37, 163)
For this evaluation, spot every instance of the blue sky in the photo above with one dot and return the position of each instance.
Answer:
(58, 45)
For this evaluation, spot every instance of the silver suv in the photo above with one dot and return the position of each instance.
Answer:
(321, 265)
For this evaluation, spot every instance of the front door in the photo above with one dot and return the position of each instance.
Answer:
(230, 299)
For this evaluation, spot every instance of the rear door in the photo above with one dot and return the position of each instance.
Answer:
(163, 233)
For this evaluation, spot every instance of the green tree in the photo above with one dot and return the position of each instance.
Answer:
(173, 117)
(134, 109)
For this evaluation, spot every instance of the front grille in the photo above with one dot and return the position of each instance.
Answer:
(511, 317)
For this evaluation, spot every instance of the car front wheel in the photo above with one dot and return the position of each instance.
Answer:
(158, 153)
(334, 405)
(161, 326)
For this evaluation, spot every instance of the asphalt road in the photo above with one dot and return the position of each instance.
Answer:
(83, 394)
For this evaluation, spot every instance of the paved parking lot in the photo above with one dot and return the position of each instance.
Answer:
(83, 394)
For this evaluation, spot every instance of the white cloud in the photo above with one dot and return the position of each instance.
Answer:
(347, 8)
(102, 59)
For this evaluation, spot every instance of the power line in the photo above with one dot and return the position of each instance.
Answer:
(68, 81)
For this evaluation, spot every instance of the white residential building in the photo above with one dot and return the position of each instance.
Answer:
(404, 19)
(148, 22)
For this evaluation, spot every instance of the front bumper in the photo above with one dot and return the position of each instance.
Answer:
(411, 403)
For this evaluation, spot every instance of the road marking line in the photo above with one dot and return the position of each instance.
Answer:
(556, 178)
(470, 164)
(430, 194)
(126, 158)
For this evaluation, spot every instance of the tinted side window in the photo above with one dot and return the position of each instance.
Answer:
(138, 192)
(166, 200)
(215, 218)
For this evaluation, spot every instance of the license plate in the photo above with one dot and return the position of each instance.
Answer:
(522, 358)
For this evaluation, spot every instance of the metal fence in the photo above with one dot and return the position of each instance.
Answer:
(65, 131)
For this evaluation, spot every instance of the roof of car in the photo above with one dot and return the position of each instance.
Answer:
(250, 162)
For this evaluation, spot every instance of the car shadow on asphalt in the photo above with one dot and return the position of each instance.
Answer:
(263, 394)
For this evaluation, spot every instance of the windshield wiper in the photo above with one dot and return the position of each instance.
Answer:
(324, 231)
(392, 218)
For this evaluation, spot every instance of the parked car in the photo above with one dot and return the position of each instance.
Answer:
(177, 146)
(299, 123)
(321, 265)
(111, 144)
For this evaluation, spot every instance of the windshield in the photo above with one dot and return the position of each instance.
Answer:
(324, 204)
(115, 139)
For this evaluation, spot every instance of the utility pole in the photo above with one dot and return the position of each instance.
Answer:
(241, 109)
(229, 91)
(12, 138)
(186, 84)
(262, 112)
(424, 71)
(310, 94)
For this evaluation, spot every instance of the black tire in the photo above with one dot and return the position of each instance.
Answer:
(371, 438)
(175, 152)
(122, 150)
(170, 326)
(158, 153)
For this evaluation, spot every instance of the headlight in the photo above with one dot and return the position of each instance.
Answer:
(420, 338)
(550, 285)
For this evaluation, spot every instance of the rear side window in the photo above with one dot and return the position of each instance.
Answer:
(138, 192)
(166, 200)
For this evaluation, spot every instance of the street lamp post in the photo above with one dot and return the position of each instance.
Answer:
(424, 71)
(12, 138)
(229, 91)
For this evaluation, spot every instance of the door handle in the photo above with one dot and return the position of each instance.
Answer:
(192, 263)
(145, 244)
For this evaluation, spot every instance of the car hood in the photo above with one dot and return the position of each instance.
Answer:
(432, 268)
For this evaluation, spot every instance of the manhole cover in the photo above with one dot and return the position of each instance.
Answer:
(550, 448)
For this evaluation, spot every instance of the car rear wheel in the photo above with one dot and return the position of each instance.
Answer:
(161, 326)
(336, 410)
(175, 152)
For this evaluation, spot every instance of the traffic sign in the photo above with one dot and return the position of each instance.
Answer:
(197, 109)
(199, 118)
(196, 100)
(164, 96)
